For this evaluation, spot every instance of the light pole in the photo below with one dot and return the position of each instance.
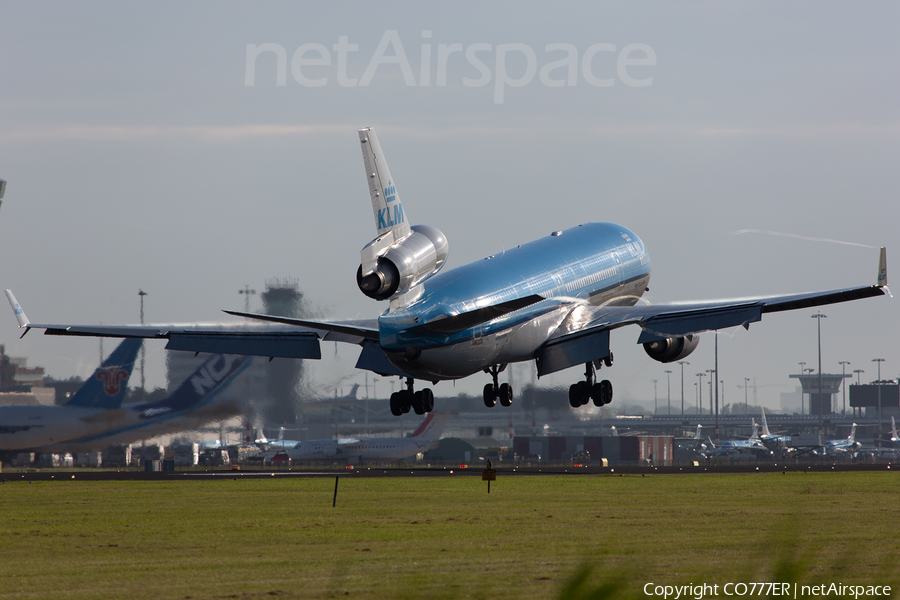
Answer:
(746, 407)
(142, 293)
(668, 392)
(682, 363)
(247, 293)
(711, 379)
(818, 317)
(844, 364)
(878, 383)
(700, 392)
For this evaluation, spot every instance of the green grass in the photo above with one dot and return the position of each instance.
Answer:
(443, 537)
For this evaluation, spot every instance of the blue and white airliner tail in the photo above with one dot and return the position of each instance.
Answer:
(552, 301)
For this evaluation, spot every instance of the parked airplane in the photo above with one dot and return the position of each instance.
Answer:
(771, 440)
(751, 446)
(27, 427)
(93, 427)
(553, 300)
(353, 450)
(843, 446)
(895, 439)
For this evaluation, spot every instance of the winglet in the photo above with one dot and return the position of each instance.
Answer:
(20, 314)
(882, 268)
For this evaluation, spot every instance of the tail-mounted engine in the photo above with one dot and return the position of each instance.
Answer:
(671, 349)
(389, 268)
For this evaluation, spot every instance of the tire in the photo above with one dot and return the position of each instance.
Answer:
(428, 400)
(396, 404)
(575, 395)
(490, 396)
(506, 394)
(418, 403)
(606, 391)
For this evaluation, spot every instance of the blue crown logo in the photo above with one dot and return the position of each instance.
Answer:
(390, 193)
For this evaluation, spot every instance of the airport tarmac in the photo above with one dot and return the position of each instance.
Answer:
(208, 474)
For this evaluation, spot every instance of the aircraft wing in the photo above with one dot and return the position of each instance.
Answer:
(584, 335)
(279, 337)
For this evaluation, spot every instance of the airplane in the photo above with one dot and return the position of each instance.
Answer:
(355, 449)
(843, 446)
(895, 439)
(30, 427)
(553, 301)
(752, 445)
(771, 440)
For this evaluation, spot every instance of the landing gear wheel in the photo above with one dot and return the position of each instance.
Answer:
(490, 396)
(506, 395)
(396, 404)
(418, 403)
(608, 361)
(578, 394)
(428, 400)
(606, 392)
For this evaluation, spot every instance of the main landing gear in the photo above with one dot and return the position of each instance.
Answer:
(422, 402)
(583, 391)
(497, 391)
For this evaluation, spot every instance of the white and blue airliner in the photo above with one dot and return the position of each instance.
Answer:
(553, 301)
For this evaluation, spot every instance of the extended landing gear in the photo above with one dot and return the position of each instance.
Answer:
(600, 392)
(497, 391)
(421, 402)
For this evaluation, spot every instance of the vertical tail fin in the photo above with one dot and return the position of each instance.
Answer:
(389, 215)
(765, 425)
(431, 428)
(894, 435)
(210, 378)
(852, 436)
(107, 386)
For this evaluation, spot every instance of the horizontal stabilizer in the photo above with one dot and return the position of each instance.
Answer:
(462, 321)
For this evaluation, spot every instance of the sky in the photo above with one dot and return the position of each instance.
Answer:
(163, 147)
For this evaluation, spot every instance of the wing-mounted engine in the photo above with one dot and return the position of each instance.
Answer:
(389, 268)
(671, 349)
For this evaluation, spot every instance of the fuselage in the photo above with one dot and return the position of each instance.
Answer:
(594, 263)
(77, 429)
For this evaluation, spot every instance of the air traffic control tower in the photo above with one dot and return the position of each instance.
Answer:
(820, 399)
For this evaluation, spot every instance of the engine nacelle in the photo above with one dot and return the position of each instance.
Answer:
(405, 264)
(671, 349)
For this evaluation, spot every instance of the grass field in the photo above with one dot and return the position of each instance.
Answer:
(444, 537)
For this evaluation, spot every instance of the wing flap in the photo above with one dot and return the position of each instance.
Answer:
(281, 345)
(571, 350)
(668, 325)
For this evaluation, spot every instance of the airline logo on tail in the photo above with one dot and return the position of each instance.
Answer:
(112, 378)
(390, 193)
(384, 214)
